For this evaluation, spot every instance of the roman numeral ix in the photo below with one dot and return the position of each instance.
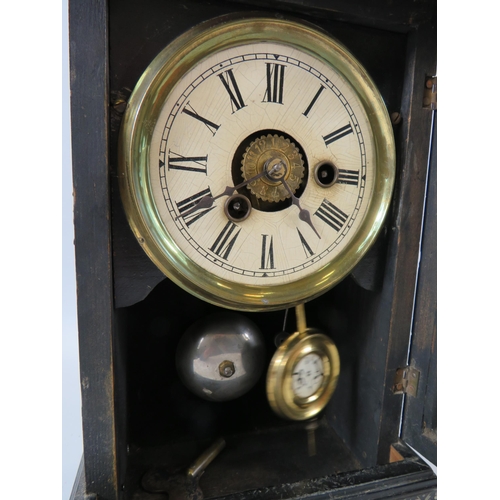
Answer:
(187, 163)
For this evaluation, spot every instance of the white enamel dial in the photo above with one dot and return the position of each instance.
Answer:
(307, 375)
(230, 101)
(256, 162)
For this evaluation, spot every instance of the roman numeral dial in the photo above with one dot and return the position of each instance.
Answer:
(256, 163)
(263, 91)
(263, 166)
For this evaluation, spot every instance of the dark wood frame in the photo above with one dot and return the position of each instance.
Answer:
(101, 364)
(89, 123)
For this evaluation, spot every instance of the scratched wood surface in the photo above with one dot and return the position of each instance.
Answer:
(101, 370)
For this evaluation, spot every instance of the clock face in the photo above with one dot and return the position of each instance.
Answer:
(307, 375)
(235, 112)
(256, 162)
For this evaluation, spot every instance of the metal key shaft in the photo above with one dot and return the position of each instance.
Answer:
(183, 486)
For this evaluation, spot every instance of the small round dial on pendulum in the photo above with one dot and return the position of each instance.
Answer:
(307, 375)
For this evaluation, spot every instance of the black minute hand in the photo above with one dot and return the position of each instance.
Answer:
(304, 214)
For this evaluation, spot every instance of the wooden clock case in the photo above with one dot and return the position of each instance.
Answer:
(136, 414)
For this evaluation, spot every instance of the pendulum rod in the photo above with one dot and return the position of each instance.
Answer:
(300, 314)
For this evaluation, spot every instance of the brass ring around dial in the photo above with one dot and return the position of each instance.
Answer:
(138, 165)
(265, 151)
(280, 394)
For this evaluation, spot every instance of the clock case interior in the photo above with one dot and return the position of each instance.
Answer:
(136, 413)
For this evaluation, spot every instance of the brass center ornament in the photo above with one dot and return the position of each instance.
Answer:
(273, 152)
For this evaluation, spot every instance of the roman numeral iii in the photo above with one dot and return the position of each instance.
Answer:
(348, 177)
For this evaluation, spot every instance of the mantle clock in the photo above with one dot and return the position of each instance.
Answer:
(255, 238)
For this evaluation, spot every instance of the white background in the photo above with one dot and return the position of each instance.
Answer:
(37, 314)
(72, 448)
(40, 418)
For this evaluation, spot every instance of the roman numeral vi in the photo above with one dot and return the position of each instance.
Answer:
(267, 256)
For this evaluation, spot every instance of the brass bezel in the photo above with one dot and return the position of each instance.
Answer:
(280, 394)
(143, 110)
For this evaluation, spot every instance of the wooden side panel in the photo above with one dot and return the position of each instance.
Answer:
(89, 122)
(420, 414)
(364, 411)
(404, 243)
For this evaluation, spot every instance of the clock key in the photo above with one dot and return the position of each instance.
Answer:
(197, 468)
(183, 486)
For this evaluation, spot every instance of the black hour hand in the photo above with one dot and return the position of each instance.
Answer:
(207, 202)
